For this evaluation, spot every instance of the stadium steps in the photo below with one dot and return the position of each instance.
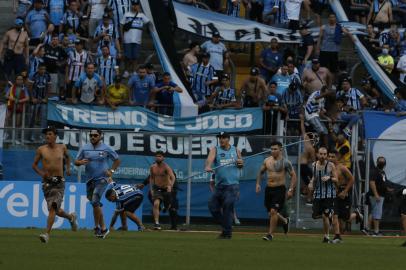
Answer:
(6, 15)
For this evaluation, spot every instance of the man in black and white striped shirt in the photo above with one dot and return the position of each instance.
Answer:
(356, 100)
(323, 184)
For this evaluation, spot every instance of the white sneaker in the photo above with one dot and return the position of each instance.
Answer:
(74, 222)
(44, 238)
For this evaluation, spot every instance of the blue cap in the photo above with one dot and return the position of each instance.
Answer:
(19, 22)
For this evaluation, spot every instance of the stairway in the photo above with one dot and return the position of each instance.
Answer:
(6, 15)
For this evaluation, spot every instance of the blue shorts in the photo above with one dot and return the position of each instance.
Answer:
(317, 125)
(131, 50)
(95, 190)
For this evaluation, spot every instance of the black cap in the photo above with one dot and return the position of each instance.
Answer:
(78, 41)
(106, 16)
(254, 71)
(223, 134)
(205, 55)
(107, 9)
(225, 76)
(315, 61)
(216, 34)
(135, 2)
(346, 79)
(50, 128)
(39, 1)
(98, 131)
(149, 66)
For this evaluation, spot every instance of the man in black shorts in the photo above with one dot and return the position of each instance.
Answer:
(345, 182)
(323, 184)
(275, 193)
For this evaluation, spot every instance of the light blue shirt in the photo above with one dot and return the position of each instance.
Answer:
(56, 11)
(283, 82)
(37, 22)
(216, 51)
(228, 174)
(99, 157)
(141, 88)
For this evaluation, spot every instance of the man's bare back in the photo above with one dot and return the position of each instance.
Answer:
(52, 159)
(160, 175)
(276, 171)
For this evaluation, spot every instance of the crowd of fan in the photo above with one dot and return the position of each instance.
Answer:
(85, 51)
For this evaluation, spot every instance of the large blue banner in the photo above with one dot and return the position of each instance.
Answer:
(139, 118)
(390, 131)
(22, 205)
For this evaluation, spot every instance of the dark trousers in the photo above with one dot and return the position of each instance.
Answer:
(221, 206)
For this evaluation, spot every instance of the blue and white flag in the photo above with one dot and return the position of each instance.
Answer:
(389, 130)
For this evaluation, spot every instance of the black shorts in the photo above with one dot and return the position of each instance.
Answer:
(329, 60)
(343, 207)
(161, 194)
(322, 206)
(133, 204)
(317, 7)
(275, 198)
(306, 173)
(293, 25)
(403, 205)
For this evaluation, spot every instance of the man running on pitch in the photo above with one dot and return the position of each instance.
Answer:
(95, 156)
(323, 184)
(275, 193)
(53, 156)
(227, 159)
(344, 186)
(161, 180)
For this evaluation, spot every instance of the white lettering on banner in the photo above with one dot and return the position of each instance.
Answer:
(207, 144)
(18, 204)
(99, 118)
(115, 143)
(222, 121)
(227, 124)
(35, 201)
(64, 111)
(210, 122)
(81, 116)
(135, 142)
(165, 123)
(155, 143)
(17, 200)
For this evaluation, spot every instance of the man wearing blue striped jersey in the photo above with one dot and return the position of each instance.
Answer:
(323, 185)
(127, 198)
(233, 8)
(202, 79)
(314, 111)
(106, 66)
(107, 28)
(96, 156)
(224, 96)
(227, 161)
(71, 18)
(119, 7)
(356, 100)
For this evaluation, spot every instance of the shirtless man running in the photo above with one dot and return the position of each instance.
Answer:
(344, 187)
(161, 180)
(275, 193)
(53, 156)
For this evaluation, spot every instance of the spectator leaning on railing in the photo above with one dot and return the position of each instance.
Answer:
(117, 94)
(89, 87)
(163, 93)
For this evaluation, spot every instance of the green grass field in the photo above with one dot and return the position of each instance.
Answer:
(21, 249)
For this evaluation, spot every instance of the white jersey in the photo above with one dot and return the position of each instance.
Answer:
(134, 35)
(293, 9)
